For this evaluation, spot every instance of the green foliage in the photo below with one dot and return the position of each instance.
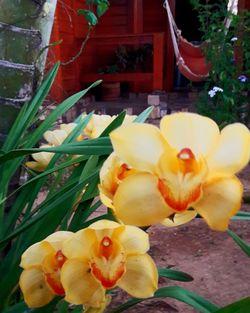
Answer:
(90, 16)
(228, 54)
(241, 306)
(175, 292)
(63, 205)
(96, 8)
(240, 242)
(174, 275)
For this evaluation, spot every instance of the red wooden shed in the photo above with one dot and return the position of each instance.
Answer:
(126, 23)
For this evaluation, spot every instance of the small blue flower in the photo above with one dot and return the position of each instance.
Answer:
(242, 78)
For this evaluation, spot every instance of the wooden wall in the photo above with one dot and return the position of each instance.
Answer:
(123, 17)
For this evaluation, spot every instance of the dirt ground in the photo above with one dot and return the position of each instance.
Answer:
(220, 269)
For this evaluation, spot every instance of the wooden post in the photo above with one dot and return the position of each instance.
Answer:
(137, 27)
(170, 64)
(158, 55)
(137, 16)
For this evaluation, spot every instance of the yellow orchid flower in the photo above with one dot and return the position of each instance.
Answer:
(107, 255)
(68, 128)
(42, 160)
(98, 123)
(112, 173)
(42, 263)
(187, 163)
(55, 137)
(101, 308)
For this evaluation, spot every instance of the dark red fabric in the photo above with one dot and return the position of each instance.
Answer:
(194, 65)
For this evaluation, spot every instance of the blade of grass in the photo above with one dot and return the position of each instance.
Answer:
(241, 215)
(241, 243)
(58, 198)
(29, 110)
(99, 146)
(174, 275)
(177, 293)
(241, 306)
(144, 115)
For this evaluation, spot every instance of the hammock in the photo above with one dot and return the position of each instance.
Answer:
(190, 59)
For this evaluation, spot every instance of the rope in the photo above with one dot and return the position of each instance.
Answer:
(172, 32)
(176, 33)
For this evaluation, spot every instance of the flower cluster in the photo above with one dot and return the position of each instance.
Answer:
(93, 129)
(213, 91)
(98, 123)
(166, 175)
(170, 175)
(82, 266)
(54, 138)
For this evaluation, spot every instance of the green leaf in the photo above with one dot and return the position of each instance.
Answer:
(89, 15)
(55, 201)
(114, 124)
(178, 293)
(29, 110)
(102, 7)
(241, 243)
(17, 308)
(241, 215)
(144, 115)
(99, 146)
(174, 275)
(241, 306)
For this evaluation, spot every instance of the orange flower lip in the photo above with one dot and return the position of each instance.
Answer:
(108, 282)
(178, 205)
(52, 277)
(110, 257)
(54, 284)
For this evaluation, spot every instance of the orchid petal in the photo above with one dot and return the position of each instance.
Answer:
(104, 224)
(139, 145)
(190, 130)
(141, 277)
(56, 239)
(68, 128)
(179, 219)
(106, 199)
(55, 137)
(233, 150)
(35, 290)
(43, 157)
(79, 244)
(79, 284)
(138, 201)
(35, 166)
(35, 254)
(134, 240)
(221, 200)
